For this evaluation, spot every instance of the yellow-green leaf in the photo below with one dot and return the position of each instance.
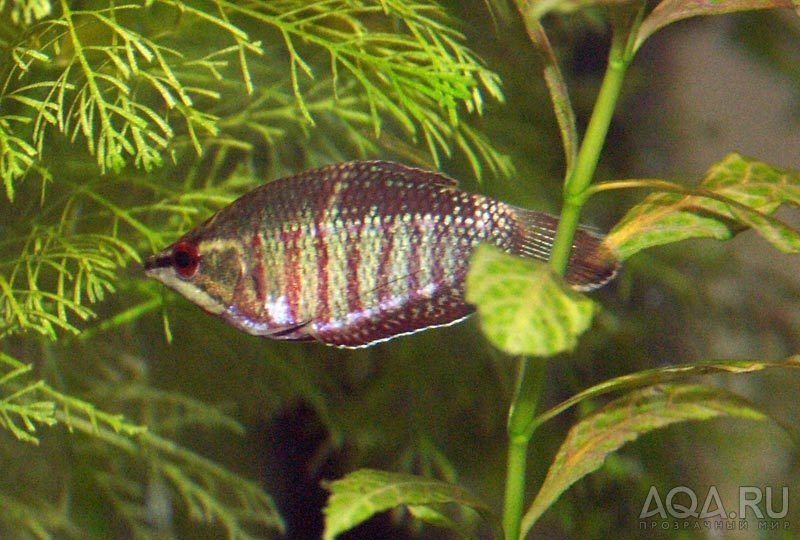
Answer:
(735, 194)
(366, 492)
(594, 438)
(524, 307)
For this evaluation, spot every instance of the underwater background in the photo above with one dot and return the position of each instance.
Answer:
(127, 412)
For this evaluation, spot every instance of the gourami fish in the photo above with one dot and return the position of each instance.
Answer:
(356, 253)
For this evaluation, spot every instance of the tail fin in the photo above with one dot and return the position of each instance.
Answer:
(592, 262)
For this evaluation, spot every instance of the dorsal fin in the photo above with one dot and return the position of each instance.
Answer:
(389, 170)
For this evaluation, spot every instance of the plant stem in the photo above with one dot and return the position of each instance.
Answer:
(530, 374)
(530, 379)
(577, 184)
(515, 487)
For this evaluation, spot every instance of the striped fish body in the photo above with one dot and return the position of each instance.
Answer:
(356, 253)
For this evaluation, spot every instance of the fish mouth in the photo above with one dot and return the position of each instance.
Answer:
(155, 262)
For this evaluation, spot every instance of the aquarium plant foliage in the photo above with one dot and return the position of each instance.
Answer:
(126, 412)
(123, 123)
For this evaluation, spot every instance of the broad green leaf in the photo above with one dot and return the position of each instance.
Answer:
(524, 307)
(366, 492)
(735, 193)
(603, 432)
(669, 11)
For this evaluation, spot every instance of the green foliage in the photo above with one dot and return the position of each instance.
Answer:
(524, 307)
(735, 193)
(123, 124)
(25, 12)
(36, 519)
(120, 129)
(665, 13)
(603, 432)
(83, 267)
(662, 375)
(670, 11)
(134, 90)
(210, 492)
(366, 492)
(65, 255)
(28, 404)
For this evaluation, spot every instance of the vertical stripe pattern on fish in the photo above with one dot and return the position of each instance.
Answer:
(356, 253)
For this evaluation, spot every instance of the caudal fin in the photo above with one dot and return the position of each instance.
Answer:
(592, 262)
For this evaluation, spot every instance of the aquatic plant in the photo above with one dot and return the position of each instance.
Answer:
(122, 124)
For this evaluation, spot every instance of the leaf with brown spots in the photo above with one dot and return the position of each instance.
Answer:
(735, 194)
(594, 438)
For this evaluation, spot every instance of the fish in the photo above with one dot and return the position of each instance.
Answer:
(356, 253)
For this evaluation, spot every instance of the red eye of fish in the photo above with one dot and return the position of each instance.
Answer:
(185, 259)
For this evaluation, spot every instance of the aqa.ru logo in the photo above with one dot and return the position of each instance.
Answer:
(713, 511)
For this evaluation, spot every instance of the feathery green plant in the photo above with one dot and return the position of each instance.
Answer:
(124, 123)
(128, 90)
(120, 128)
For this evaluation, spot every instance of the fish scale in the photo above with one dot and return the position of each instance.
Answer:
(356, 253)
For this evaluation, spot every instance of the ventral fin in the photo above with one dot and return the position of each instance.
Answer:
(293, 332)
(256, 327)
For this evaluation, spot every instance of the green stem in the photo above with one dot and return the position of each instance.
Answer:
(530, 375)
(515, 487)
(530, 379)
(577, 184)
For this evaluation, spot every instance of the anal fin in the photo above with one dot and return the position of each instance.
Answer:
(445, 307)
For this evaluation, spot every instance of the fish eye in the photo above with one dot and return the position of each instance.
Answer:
(185, 259)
